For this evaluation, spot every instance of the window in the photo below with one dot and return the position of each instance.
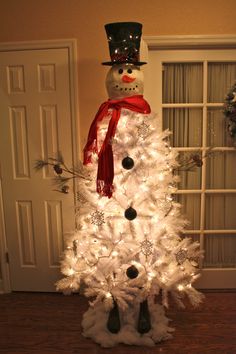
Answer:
(187, 89)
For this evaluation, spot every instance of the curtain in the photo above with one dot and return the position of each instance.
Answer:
(220, 249)
(183, 83)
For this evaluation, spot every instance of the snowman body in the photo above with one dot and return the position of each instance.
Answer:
(129, 145)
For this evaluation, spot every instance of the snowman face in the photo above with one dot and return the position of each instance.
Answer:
(124, 80)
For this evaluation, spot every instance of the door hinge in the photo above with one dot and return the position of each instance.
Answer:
(7, 257)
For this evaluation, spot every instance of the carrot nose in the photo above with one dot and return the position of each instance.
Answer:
(127, 79)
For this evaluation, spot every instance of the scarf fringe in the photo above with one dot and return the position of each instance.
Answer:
(104, 189)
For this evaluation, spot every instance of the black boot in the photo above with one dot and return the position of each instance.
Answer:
(144, 322)
(113, 322)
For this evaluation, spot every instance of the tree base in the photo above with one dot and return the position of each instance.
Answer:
(95, 326)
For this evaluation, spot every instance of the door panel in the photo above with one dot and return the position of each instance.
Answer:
(35, 122)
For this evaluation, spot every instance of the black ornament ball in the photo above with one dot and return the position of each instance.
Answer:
(132, 272)
(65, 189)
(58, 169)
(130, 213)
(128, 163)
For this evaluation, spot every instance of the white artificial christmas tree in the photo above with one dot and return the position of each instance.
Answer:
(127, 248)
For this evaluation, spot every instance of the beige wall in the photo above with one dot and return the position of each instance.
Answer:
(23, 20)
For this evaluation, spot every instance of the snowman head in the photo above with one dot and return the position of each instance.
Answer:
(124, 80)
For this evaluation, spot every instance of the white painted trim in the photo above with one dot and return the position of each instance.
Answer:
(71, 46)
(42, 44)
(190, 41)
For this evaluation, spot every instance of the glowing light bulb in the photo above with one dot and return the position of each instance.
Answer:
(159, 262)
(153, 153)
(155, 218)
(71, 271)
(114, 253)
(180, 287)
(144, 187)
(101, 202)
(163, 279)
(151, 275)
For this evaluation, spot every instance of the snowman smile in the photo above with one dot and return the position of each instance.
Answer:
(126, 88)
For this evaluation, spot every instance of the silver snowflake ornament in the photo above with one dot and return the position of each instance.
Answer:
(81, 198)
(143, 130)
(181, 256)
(146, 247)
(97, 218)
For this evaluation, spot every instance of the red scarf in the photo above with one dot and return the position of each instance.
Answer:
(105, 172)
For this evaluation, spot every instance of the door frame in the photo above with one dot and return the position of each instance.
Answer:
(71, 46)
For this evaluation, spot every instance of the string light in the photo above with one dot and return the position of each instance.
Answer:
(114, 253)
(180, 287)
(155, 218)
(151, 275)
(163, 279)
(70, 272)
(144, 187)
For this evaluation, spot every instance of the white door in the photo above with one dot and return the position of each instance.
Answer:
(35, 122)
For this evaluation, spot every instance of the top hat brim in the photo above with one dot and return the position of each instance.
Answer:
(110, 63)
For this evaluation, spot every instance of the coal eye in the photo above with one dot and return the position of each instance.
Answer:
(120, 71)
(129, 71)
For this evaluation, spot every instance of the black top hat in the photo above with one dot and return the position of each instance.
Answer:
(124, 42)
